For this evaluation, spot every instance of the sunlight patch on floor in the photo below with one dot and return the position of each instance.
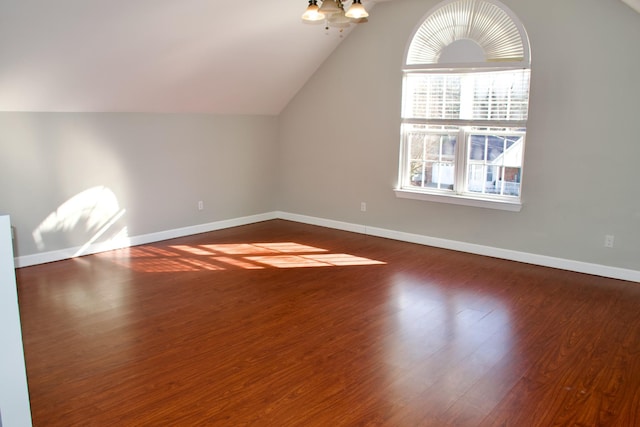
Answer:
(231, 256)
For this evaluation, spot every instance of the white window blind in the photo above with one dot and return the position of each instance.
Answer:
(485, 96)
(488, 24)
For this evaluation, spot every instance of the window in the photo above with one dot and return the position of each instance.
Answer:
(465, 106)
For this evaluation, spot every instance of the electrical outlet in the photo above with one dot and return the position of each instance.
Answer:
(200, 205)
(608, 241)
(363, 206)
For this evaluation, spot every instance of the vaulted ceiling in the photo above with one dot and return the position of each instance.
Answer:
(211, 56)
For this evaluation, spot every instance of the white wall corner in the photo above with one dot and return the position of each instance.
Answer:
(633, 4)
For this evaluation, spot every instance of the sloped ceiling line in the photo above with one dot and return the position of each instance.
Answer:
(634, 4)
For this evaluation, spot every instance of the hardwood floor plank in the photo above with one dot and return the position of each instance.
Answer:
(285, 324)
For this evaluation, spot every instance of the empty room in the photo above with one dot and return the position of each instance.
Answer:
(315, 213)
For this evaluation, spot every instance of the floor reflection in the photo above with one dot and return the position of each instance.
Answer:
(443, 344)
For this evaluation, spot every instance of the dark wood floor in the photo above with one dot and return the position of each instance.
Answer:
(285, 324)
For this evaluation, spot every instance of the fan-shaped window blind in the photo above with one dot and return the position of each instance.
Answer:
(493, 28)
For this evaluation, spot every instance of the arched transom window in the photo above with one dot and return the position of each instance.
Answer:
(465, 106)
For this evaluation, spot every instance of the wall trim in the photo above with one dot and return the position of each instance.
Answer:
(507, 254)
(511, 255)
(329, 223)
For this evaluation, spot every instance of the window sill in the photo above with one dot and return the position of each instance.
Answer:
(456, 199)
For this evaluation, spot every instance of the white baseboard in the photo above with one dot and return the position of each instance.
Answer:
(338, 225)
(529, 258)
(44, 257)
(202, 228)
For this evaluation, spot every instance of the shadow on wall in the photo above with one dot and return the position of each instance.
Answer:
(92, 217)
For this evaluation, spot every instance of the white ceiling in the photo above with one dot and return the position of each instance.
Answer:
(213, 56)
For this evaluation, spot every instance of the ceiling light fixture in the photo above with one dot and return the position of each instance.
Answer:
(333, 13)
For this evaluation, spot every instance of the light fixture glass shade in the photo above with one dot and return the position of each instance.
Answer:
(356, 11)
(338, 20)
(329, 6)
(312, 13)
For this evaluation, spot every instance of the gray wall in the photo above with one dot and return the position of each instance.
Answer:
(152, 169)
(340, 136)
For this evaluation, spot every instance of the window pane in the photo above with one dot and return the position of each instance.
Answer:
(495, 161)
(442, 175)
(432, 161)
(477, 178)
(501, 95)
(418, 176)
(510, 182)
(432, 96)
(416, 145)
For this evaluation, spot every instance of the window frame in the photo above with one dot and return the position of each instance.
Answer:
(460, 195)
(456, 196)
